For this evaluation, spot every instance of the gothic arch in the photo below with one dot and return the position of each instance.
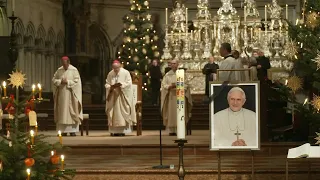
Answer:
(101, 40)
(100, 51)
(60, 42)
(4, 25)
(41, 35)
(51, 39)
(19, 30)
(30, 34)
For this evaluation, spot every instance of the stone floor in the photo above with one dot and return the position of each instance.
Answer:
(100, 156)
(196, 177)
(147, 138)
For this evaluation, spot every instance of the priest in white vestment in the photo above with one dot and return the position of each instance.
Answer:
(120, 107)
(169, 99)
(235, 126)
(67, 95)
(229, 63)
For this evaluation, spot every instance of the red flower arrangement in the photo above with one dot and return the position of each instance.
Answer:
(29, 106)
(10, 108)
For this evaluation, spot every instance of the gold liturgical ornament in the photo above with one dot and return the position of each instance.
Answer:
(17, 79)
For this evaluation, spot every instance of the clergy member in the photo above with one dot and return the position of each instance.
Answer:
(67, 95)
(229, 63)
(210, 70)
(235, 126)
(239, 65)
(169, 100)
(119, 101)
(168, 68)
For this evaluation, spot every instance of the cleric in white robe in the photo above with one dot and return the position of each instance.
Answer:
(67, 95)
(120, 107)
(229, 63)
(169, 99)
(235, 126)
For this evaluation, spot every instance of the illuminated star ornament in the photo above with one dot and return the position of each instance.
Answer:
(291, 49)
(294, 83)
(17, 79)
(312, 20)
(317, 60)
(316, 102)
(317, 138)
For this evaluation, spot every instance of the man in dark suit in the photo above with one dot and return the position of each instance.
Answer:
(156, 77)
(210, 69)
(263, 64)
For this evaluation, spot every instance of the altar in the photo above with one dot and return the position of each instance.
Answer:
(246, 33)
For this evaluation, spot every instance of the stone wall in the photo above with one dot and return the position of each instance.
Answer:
(40, 37)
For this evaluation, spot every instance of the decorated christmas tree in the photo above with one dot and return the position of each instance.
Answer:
(139, 40)
(305, 77)
(306, 33)
(25, 154)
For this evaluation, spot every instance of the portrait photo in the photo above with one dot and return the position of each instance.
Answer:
(235, 116)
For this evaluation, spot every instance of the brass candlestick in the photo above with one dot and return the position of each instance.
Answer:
(181, 171)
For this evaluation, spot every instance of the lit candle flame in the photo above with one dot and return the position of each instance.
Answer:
(39, 86)
(62, 162)
(286, 83)
(28, 174)
(31, 133)
(4, 84)
(60, 137)
(305, 101)
(52, 153)
(33, 87)
(28, 171)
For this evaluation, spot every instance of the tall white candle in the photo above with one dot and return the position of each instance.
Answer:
(265, 12)
(166, 16)
(13, 5)
(181, 126)
(191, 35)
(286, 11)
(186, 22)
(245, 14)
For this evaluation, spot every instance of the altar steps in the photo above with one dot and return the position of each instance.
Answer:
(150, 117)
(199, 162)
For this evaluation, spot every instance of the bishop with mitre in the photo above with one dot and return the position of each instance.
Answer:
(120, 108)
(67, 94)
(169, 100)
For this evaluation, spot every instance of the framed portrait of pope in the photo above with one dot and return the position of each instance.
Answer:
(235, 116)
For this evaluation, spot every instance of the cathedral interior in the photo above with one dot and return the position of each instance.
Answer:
(35, 34)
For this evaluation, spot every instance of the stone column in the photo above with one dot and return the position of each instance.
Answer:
(28, 65)
(33, 68)
(37, 68)
(43, 79)
(21, 59)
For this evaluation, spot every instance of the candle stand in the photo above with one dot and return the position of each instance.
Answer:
(181, 171)
(13, 51)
